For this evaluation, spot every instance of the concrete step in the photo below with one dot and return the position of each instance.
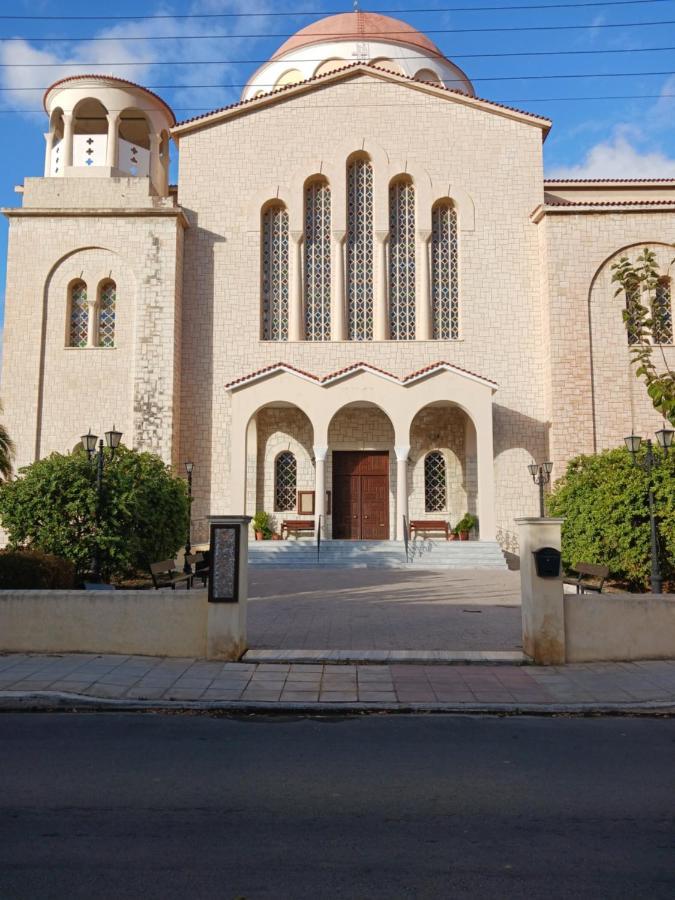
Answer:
(389, 657)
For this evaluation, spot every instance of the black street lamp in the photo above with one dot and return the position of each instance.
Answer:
(189, 468)
(664, 436)
(112, 440)
(541, 475)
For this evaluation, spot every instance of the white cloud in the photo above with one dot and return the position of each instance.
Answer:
(618, 158)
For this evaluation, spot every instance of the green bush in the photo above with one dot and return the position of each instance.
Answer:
(604, 501)
(30, 569)
(52, 507)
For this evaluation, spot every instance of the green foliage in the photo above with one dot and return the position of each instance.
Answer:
(6, 451)
(466, 523)
(32, 570)
(604, 501)
(262, 521)
(52, 507)
(638, 282)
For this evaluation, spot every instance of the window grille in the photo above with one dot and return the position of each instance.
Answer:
(106, 315)
(79, 315)
(633, 303)
(402, 261)
(285, 482)
(434, 482)
(360, 250)
(317, 261)
(662, 313)
(275, 274)
(445, 275)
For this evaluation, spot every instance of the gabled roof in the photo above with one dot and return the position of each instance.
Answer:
(349, 71)
(325, 380)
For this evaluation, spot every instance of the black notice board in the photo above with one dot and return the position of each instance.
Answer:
(225, 552)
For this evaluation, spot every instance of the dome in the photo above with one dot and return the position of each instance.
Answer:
(343, 39)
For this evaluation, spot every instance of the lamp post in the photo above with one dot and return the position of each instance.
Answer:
(189, 468)
(112, 440)
(664, 436)
(541, 475)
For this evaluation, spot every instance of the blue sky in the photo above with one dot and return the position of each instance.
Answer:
(633, 136)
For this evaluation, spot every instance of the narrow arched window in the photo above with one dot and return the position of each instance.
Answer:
(633, 318)
(106, 314)
(78, 326)
(360, 249)
(275, 273)
(435, 487)
(662, 313)
(402, 260)
(285, 482)
(444, 272)
(317, 261)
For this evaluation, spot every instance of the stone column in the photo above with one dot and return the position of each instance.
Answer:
(320, 453)
(67, 140)
(296, 330)
(112, 147)
(485, 476)
(338, 316)
(380, 312)
(92, 318)
(49, 138)
(423, 318)
(156, 172)
(401, 489)
(543, 604)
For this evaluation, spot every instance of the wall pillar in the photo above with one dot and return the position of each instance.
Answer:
(49, 139)
(296, 329)
(92, 318)
(320, 453)
(543, 605)
(238, 481)
(156, 171)
(486, 479)
(423, 317)
(380, 312)
(112, 147)
(338, 296)
(67, 140)
(401, 489)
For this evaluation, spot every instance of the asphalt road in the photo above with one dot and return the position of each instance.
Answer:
(185, 806)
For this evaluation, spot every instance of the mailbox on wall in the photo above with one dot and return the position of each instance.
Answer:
(547, 562)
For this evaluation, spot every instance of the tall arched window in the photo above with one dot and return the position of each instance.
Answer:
(662, 313)
(78, 326)
(275, 273)
(285, 482)
(444, 272)
(633, 302)
(402, 260)
(106, 314)
(360, 249)
(317, 261)
(435, 487)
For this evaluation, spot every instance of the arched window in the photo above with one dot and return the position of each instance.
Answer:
(633, 303)
(662, 313)
(106, 315)
(444, 272)
(285, 482)
(275, 273)
(317, 261)
(435, 488)
(78, 326)
(402, 260)
(360, 249)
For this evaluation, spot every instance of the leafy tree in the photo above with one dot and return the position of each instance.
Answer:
(639, 282)
(6, 451)
(604, 501)
(52, 507)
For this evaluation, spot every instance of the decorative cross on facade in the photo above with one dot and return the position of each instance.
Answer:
(361, 53)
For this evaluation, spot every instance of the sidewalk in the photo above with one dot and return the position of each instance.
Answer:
(136, 682)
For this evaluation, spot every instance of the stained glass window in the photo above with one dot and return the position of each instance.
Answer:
(275, 274)
(434, 482)
(444, 272)
(106, 315)
(79, 315)
(285, 482)
(402, 261)
(317, 261)
(662, 313)
(360, 250)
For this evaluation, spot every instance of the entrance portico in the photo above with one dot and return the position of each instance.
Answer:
(385, 419)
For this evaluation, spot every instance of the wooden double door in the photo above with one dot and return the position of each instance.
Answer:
(361, 495)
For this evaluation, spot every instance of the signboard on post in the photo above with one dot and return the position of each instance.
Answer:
(225, 557)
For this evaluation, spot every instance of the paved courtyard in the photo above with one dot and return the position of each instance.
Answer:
(384, 609)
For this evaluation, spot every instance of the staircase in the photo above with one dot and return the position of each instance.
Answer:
(422, 554)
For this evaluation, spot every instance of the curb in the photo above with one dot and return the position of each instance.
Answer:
(48, 701)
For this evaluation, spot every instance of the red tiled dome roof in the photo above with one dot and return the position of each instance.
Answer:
(358, 26)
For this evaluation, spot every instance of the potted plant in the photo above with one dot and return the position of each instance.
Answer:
(454, 534)
(262, 526)
(466, 524)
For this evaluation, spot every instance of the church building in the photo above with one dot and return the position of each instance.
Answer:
(362, 304)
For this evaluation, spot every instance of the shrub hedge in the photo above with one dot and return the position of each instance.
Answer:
(32, 570)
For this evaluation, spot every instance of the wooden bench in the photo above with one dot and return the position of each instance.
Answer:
(201, 568)
(296, 526)
(438, 525)
(590, 577)
(167, 574)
